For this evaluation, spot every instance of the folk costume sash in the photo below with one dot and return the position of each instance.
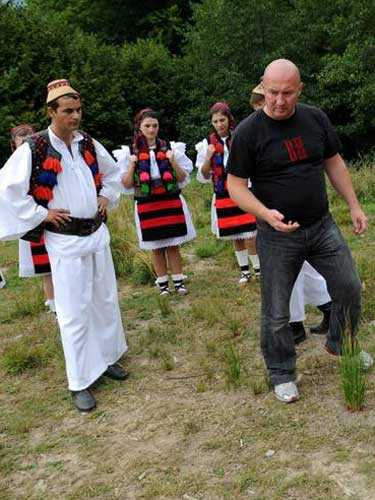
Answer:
(159, 206)
(144, 185)
(219, 176)
(40, 257)
(231, 220)
(46, 165)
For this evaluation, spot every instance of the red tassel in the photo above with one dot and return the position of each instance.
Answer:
(98, 179)
(161, 155)
(52, 164)
(143, 156)
(89, 157)
(43, 193)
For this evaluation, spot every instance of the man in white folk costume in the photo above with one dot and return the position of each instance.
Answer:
(61, 182)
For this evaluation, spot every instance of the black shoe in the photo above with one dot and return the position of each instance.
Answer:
(116, 372)
(298, 331)
(323, 327)
(83, 400)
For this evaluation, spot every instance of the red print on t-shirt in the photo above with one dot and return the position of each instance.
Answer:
(295, 148)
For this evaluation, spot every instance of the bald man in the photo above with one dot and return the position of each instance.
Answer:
(285, 149)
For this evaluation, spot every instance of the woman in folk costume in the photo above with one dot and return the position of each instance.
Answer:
(155, 171)
(228, 221)
(33, 256)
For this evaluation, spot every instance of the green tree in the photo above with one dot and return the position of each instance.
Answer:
(229, 45)
(114, 81)
(118, 21)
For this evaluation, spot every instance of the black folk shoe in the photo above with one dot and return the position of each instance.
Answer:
(83, 400)
(298, 331)
(323, 327)
(116, 372)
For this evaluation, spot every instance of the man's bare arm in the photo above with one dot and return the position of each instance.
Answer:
(339, 177)
(240, 194)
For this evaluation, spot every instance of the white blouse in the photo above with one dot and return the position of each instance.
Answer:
(201, 148)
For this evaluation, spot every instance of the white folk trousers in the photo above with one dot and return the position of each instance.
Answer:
(88, 314)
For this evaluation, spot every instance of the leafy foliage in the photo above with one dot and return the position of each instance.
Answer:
(179, 57)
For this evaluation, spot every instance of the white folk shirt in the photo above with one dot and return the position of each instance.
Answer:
(75, 192)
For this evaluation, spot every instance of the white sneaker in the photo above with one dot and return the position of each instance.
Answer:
(244, 278)
(287, 393)
(366, 360)
(181, 289)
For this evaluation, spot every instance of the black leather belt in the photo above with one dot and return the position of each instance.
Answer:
(76, 226)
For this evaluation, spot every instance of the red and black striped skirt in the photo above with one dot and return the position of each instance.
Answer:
(40, 257)
(231, 219)
(161, 217)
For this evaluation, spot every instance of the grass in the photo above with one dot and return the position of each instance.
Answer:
(233, 371)
(196, 417)
(353, 375)
(208, 249)
(19, 358)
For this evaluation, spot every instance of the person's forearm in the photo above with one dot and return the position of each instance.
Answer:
(180, 172)
(240, 194)
(340, 179)
(206, 169)
(128, 179)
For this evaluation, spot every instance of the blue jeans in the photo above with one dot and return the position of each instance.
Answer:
(281, 257)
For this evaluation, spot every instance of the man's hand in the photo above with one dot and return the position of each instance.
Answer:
(57, 216)
(359, 219)
(275, 219)
(102, 206)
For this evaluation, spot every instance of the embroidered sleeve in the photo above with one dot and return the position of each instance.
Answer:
(111, 180)
(201, 149)
(123, 158)
(182, 160)
(18, 211)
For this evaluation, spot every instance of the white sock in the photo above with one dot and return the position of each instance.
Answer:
(241, 256)
(162, 279)
(178, 277)
(254, 259)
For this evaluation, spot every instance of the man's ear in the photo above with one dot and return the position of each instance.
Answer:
(300, 88)
(49, 112)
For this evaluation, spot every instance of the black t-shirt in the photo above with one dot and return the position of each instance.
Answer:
(284, 160)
